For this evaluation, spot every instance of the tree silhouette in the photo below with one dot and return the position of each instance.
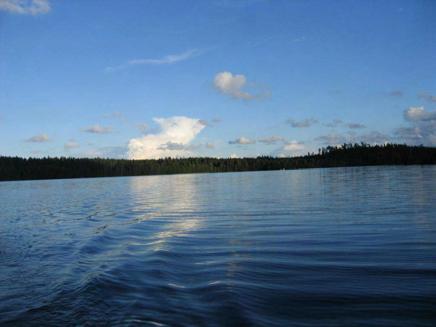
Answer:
(15, 168)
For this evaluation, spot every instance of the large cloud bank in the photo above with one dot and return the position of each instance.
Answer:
(173, 140)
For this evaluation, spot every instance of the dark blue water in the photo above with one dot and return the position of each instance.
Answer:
(326, 247)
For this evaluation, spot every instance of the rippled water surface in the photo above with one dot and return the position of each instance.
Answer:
(342, 246)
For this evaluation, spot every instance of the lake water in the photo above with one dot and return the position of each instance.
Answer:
(326, 247)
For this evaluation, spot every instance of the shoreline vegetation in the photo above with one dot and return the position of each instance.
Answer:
(16, 168)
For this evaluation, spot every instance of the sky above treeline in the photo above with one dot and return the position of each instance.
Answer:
(222, 78)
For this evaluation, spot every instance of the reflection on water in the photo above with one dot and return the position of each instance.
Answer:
(346, 246)
(172, 195)
(177, 229)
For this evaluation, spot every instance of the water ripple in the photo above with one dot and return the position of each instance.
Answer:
(327, 247)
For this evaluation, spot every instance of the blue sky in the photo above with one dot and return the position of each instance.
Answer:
(146, 79)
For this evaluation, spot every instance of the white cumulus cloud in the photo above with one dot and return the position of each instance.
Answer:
(232, 85)
(419, 114)
(290, 149)
(172, 141)
(25, 7)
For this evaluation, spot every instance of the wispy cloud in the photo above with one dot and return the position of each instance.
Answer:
(166, 60)
(242, 141)
(40, 138)
(25, 7)
(427, 96)
(98, 129)
(271, 140)
(302, 123)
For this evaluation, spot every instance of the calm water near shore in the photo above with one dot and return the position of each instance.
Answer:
(327, 247)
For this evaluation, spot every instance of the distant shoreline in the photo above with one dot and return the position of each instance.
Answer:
(347, 155)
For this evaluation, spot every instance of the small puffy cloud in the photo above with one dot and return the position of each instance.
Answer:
(210, 146)
(97, 129)
(428, 97)
(166, 60)
(231, 85)
(416, 114)
(355, 126)
(71, 144)
(173, 140)
(25, 7)
(242, 141)
(40, 138)
(234, 85)
(302, 123)
(291, 148)
(271, 140)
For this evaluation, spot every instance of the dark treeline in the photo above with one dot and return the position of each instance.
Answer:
(15, 168)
